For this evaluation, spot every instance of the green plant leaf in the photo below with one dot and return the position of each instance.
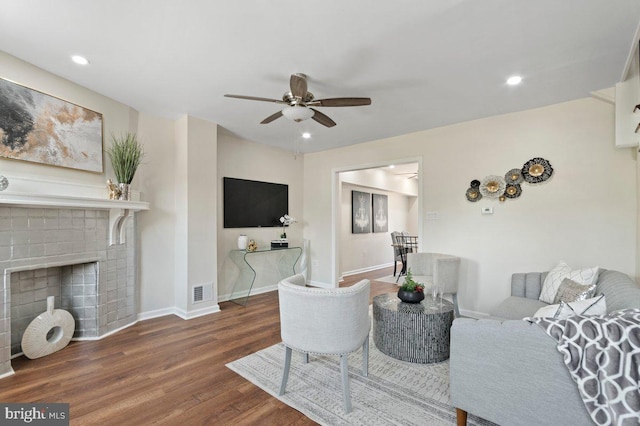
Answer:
(126, 154)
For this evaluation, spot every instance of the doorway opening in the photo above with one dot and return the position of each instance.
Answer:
(369, 202)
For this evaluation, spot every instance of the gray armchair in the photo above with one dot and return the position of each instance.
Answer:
(438, 269)
(324, 322)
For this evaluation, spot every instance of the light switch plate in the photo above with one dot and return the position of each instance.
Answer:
(487, 210)
(432, 215)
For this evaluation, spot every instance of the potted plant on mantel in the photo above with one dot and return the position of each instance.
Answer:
(126, 154)
(411, 291)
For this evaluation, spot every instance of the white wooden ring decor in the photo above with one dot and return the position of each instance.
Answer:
(48, 332)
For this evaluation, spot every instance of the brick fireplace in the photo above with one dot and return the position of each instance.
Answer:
(80, 251)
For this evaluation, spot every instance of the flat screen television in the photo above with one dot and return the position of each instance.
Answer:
(253, 204)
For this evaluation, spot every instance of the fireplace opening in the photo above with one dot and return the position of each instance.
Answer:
(75, 288)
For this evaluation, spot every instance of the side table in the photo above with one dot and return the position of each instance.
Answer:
(413, 332)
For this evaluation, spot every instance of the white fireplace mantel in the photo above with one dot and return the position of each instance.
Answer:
(119, 211)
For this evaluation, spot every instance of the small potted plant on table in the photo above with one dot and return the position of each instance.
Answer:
(411, 291)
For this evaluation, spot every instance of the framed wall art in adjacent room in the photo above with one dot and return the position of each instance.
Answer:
(360, 212)
(380, 213)
(44, 129)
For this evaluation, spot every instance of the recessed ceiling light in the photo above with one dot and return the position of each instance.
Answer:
(306, 135)
(392, 166)
(80, 60)
(514, 80)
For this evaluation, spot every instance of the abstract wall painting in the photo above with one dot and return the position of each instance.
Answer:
(360, 212)
(44, 129)
(380, 213)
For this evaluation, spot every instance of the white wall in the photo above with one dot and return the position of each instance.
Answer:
(586, 214)
(157, 225)
(243, 159)
(196, 195)
(116, 118)
(162, 180)
(203, 194)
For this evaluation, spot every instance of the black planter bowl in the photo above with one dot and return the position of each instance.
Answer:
(410, 296)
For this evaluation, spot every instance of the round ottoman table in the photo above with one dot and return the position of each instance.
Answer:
(413, 332)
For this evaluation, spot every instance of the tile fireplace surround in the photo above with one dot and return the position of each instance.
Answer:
(80, 250)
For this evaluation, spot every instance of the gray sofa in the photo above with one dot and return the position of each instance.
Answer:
(509, 371)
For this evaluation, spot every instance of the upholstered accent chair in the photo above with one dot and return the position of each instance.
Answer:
(324, 322)
(438, 269)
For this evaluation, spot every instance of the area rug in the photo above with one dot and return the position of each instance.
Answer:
(395, 393)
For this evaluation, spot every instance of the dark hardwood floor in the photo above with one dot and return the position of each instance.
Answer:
(167, 370)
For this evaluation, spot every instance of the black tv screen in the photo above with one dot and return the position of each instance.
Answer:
(251, 204)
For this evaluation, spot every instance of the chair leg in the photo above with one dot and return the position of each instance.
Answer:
(344, 367)
(285, 372)
(395, 265)
(365, 357)
(454, 296)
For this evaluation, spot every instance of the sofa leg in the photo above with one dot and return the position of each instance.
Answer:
(461, 416)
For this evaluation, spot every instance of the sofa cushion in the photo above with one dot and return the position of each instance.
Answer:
(571, 291)
(515, 307)
(621, 291)
(556, 275)
(595, 306)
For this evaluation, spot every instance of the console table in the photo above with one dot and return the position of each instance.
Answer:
(272, 264)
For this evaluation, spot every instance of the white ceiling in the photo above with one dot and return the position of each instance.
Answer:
(424, 63)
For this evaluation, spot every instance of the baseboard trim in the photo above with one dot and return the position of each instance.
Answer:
(320, 284)
(156, 314)
(197, 313)
(367, 269)
(80, 339)
(254, 291)
(8, 373)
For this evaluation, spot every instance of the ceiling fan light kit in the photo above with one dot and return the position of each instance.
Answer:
(297, 113)
(299, 101)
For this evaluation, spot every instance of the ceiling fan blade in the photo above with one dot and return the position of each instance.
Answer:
(272, 117)
(322, 119)
(340, 102)
(298, 83)
(255, 98)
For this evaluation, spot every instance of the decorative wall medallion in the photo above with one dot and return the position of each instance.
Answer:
(537, 170)
(473, 194)
(514, 176)
(492, 186)
(513, 191)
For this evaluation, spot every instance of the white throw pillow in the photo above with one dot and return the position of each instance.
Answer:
(556, 275)
(595, 306)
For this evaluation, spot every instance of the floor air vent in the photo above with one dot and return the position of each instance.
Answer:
(202, 293)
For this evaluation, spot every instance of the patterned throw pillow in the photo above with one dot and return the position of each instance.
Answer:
(571, 291)
(595, 306)
(559, 273)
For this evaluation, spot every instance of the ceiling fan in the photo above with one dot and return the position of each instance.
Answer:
(299, 102)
